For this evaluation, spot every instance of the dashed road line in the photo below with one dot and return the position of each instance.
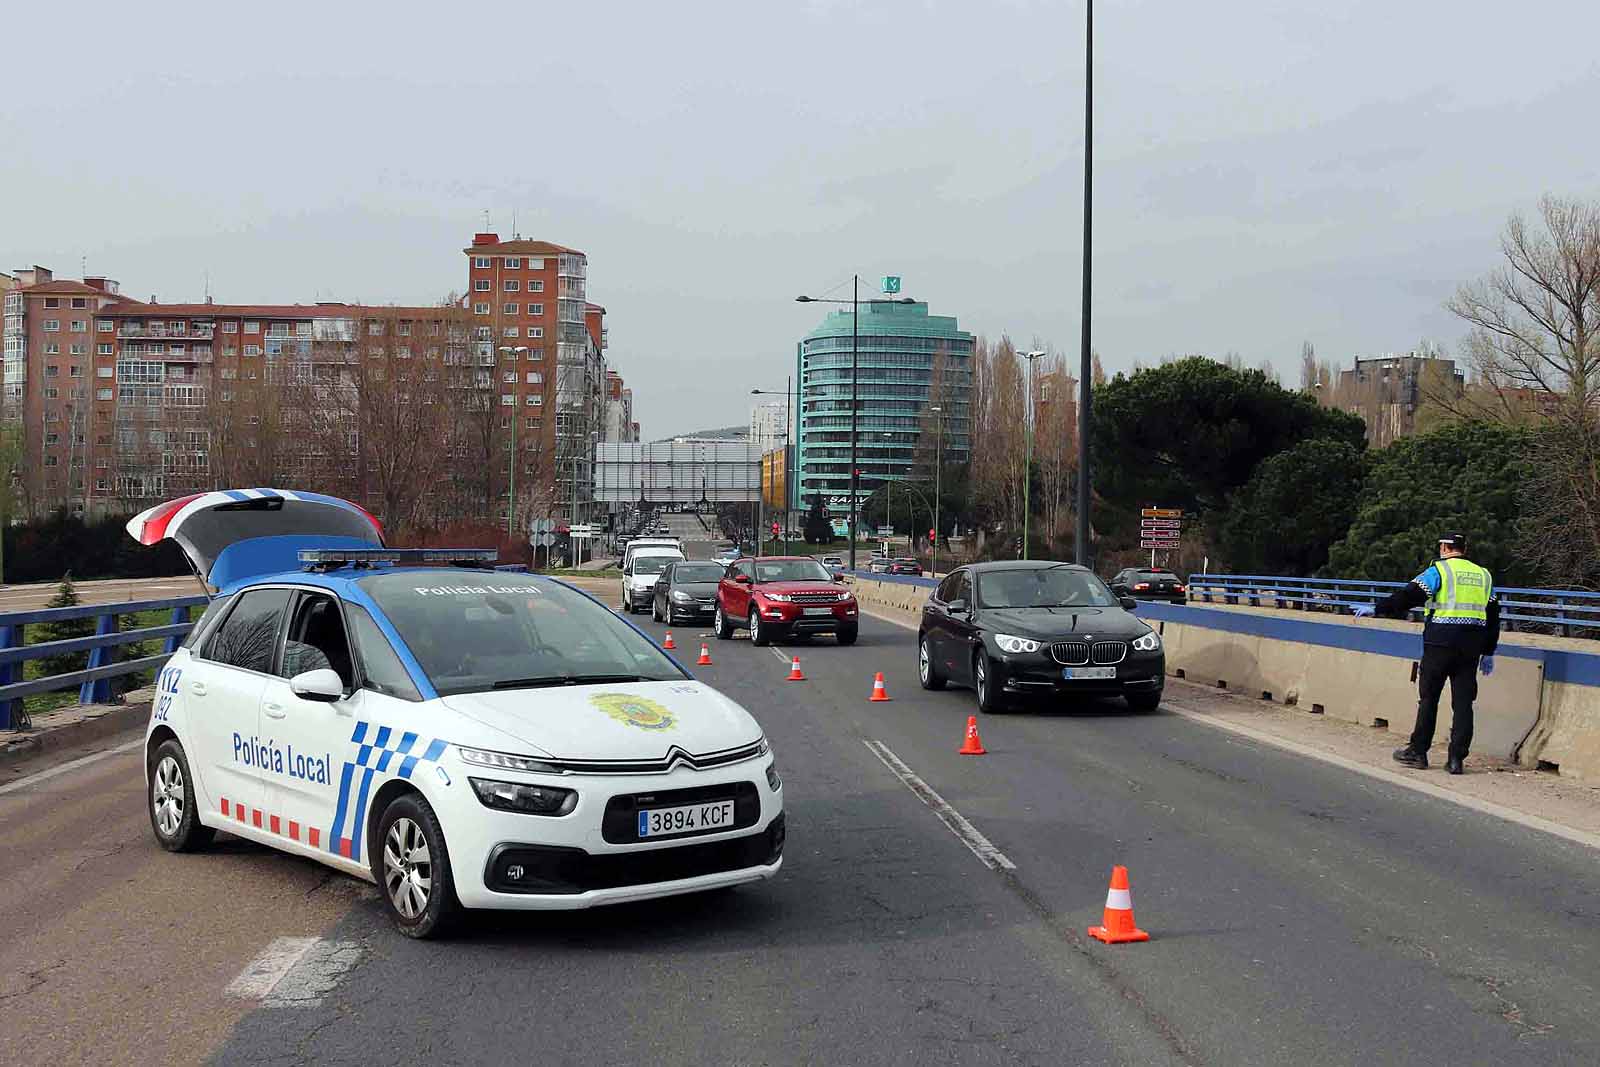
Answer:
(970, 835)
(295, 972)
(70, 765)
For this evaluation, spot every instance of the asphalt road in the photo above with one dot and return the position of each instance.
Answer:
(1298, 914)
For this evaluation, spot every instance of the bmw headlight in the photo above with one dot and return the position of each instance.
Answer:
(1150, 642)
(1008, 643)
(504, 761)
(527, 799)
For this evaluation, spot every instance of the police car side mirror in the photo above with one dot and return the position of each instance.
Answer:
(321, 685)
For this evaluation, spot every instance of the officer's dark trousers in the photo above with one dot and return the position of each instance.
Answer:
(1459, 666)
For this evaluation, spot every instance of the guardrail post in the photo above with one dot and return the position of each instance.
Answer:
(10, 637)
(178, 615)
(99, 690)
(1561, 610)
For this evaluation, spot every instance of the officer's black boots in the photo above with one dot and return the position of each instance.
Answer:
(1411, 758)
(1453, 765)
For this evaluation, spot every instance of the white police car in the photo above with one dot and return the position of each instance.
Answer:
(462, 737)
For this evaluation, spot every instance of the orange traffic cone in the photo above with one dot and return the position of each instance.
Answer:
(879, 693)
(705, 656)
(974, 744)
(668, 642)
(1117, 925)
(794, 672)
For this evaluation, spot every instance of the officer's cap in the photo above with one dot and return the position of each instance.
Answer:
(1457, 541)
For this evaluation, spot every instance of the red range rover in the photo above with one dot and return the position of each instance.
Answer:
(779, 596)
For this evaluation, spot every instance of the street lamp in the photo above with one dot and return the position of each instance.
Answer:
(1085, 359)
(788, 473)
(594, 436)
(1027, 463)
(938, 465)
(855, 375)
(512, 353)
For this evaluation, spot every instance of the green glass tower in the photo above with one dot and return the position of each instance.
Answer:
(908, 362)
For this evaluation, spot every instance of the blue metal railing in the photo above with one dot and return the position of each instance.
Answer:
(1570, 612)
(94, 681)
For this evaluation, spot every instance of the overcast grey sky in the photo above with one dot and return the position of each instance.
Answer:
(1268, 171)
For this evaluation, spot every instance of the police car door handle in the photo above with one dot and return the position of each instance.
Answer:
(274, 711)
(197, 688)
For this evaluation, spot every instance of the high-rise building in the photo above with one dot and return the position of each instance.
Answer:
(1386, 391)
(620, 427)
(908, 362)
(547, 342)
(59, 365)
(769, 425)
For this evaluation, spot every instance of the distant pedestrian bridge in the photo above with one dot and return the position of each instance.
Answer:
(684, 470)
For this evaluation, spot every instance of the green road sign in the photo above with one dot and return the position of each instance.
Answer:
(891, 284)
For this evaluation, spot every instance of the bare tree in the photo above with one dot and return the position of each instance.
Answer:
(1535, 345)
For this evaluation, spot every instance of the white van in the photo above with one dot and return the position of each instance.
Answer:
(645, 560)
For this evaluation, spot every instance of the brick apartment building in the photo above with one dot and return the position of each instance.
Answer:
(425, 414)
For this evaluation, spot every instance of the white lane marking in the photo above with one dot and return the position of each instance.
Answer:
(970, 835)
(295, 972)
(782, 656)
(1404, 780)
(264, 972)
(70, 765)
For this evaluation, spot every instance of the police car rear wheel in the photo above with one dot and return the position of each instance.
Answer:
(173, 811)
(412, 868)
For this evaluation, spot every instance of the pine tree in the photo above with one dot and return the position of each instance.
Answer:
(61, 630)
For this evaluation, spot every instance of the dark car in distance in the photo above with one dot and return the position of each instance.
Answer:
(1142, 583)
(905, 565)
(686, 590)
(1034, 628)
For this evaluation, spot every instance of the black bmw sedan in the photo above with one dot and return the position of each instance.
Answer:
(686, 590)
(1013, 629)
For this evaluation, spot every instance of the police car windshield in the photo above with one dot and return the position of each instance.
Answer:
(474, 631)
(1041, 587)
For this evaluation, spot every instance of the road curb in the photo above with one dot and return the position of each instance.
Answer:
(97, 723)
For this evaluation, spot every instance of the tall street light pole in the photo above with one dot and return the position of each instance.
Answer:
(1085, 361)
(1027, 462)
(788, 426)
(511, 489)
(855, 375)
(938, 466)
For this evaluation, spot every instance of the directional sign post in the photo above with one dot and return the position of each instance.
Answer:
(1159, 529)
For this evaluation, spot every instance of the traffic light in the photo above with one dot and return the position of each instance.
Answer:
(774, 528)
(933, 535)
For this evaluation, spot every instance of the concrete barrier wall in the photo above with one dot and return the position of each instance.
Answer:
(1542, 704)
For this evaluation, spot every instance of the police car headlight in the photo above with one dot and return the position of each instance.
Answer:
(773, 781)
(1150, 642)
(527, 799)
(504, 761)
(1008, 643)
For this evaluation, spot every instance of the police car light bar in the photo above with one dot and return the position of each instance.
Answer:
(334, 557)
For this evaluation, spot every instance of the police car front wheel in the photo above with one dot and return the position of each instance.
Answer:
(412, 868)
(174, 815)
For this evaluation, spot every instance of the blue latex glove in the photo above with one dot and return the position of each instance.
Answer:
(1486, 665)
(1363, 612)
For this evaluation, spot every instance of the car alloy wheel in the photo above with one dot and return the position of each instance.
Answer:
(755, 627)
(167, 796)
(407, 868)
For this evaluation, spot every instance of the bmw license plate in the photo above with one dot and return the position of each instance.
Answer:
(819, 611)
(1085, 674)
(693, 818)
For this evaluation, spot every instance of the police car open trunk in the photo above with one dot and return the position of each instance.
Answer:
(235, 535)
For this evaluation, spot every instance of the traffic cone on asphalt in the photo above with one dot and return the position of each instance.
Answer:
(794, 672)
(1117, 924)
(705, 656)
(879, 693)
(668, 642)
(973, 746)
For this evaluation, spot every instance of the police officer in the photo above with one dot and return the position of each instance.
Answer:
(1460, 636)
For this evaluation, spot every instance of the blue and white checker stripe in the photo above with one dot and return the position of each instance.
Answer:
(376, 751)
